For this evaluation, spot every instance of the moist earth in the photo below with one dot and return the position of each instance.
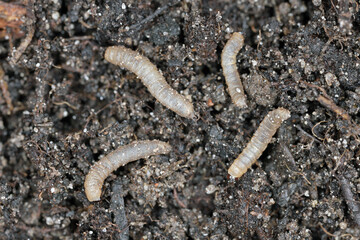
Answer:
(62, 107)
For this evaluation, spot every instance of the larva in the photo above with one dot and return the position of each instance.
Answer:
(152, 79)
(228, 63)
(259, 141)
(119, 157)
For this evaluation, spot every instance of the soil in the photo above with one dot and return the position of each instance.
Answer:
(62, 107)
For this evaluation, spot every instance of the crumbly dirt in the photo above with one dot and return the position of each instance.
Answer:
(62, 107)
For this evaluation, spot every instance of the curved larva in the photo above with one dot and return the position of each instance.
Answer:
(119, 157)
(259, 141)
(152, 79)
(228, 63)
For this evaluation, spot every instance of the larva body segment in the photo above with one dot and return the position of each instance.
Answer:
(152, 79)
(228, 63)
(119, 157)
(259, 141)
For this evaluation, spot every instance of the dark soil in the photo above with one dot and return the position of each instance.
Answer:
(69, 107)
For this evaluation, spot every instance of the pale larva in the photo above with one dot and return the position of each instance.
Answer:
(152, 79)
(228, 63)
(119, 157)
(259, 141)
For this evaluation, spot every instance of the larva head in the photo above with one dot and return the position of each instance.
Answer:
(187, 111)
(240, 101)
(92, 188)
(94, 195)
(112, 54)
(237, 36)
(109, 54)
(192, 115)
(283, 113)
(237, 171)
(165, 147)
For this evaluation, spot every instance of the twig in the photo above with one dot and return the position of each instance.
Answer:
(333, 5)
(335, 236)
(23, 45)
(67, 104)
(331, 235)
(328, 103)
(16, 54)
(11, 15)
(307, 134)
(181, 204)
(81, 21)
(315, 86)
(118, 208)
(149, 18)
(5, 90)
(81, 38)
(350, 199)
(44, 125)
(340, 161)
(300, 173)
(313, 130)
